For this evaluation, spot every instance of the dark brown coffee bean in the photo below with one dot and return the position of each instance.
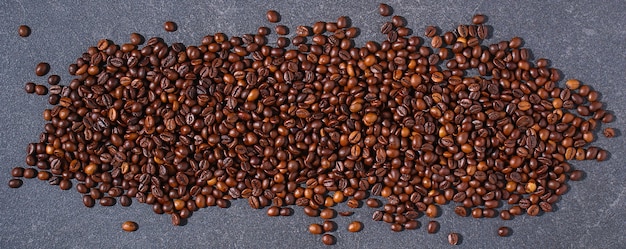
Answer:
(460, 211)
(328, 239)
(385, 10)
(329, 226)
(478, 19)
(504, 231)
(15, 183)
(41, 90)
(170, 26)
(273, 211)
(433, 226)
(23, 31)
(42, 69)
(576, 175)
(272, 16)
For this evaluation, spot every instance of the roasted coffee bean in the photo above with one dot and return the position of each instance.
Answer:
(609, 132)
(355, 226)
(130, 226)
(478, 19)
(328, 239)
(15, 183)
(42, 69)
(384, 9)
(433, 226)
(272, 16)
(23, 31)
(504, 231)
(453, 238)
(170, 26)
(315, 229)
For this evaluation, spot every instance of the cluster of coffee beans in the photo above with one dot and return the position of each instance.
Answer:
(314, 121)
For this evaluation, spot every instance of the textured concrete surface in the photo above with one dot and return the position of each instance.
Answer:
(584, 39)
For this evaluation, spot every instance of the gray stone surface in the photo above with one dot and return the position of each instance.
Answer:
(584, 39)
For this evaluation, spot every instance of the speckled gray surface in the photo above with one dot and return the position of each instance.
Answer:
(584, 39)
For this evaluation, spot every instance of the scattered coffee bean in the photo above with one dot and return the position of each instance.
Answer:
(504, 231)
(42, 69)
(433, 226)
(272, 16)
(355, 226)
(453, 238)
(478, 19)
(329, 226)
(609, 132)
(23, 31)
(170, 26)
(129, 226)
(15, 183)
(316, 229)
(328, 239)
(384, 9)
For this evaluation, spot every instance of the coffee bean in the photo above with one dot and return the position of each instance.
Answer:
(433, 226)
(504, 231)
(272, 16)
(576, 175)
(41, 90)
(328, 239)
(170, 26)
(328, 213)
(23, 31)
(315, 229)
(329, 226)
(30, 173)
(355, 226)
(373, 203)
(42, 69)
(609, 132)
(17, 172)
(460, 211)
(384, 9)
(15, 183)
(281, 30)
(453, 238)
(129, 226)
(478, 19)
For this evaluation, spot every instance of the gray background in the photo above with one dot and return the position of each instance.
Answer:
(585, 39)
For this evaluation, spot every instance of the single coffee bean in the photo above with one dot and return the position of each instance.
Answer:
(411, 225)
(315, 229)
(433, 226)
(355, 226)
(478, 19)
(129, 226)
(328, 239)
(29, 87)
(170, 26)
(373, 203)
(15, 183)
(88, 201)
(281, 30)
(273, 211)
(41, 90)
(384, 9)
(453, 238)
(460, 211)
(54, 80)
(272, 16)
(42, 69)
(328, 213)
(504, 231)
(30, 173)
(576, 175)
(17, 172)
(345, 213)
(23, 31)
(609, 132)
(329, 226)
(136, 39)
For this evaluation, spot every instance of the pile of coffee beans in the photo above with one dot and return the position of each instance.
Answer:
(314, 121)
